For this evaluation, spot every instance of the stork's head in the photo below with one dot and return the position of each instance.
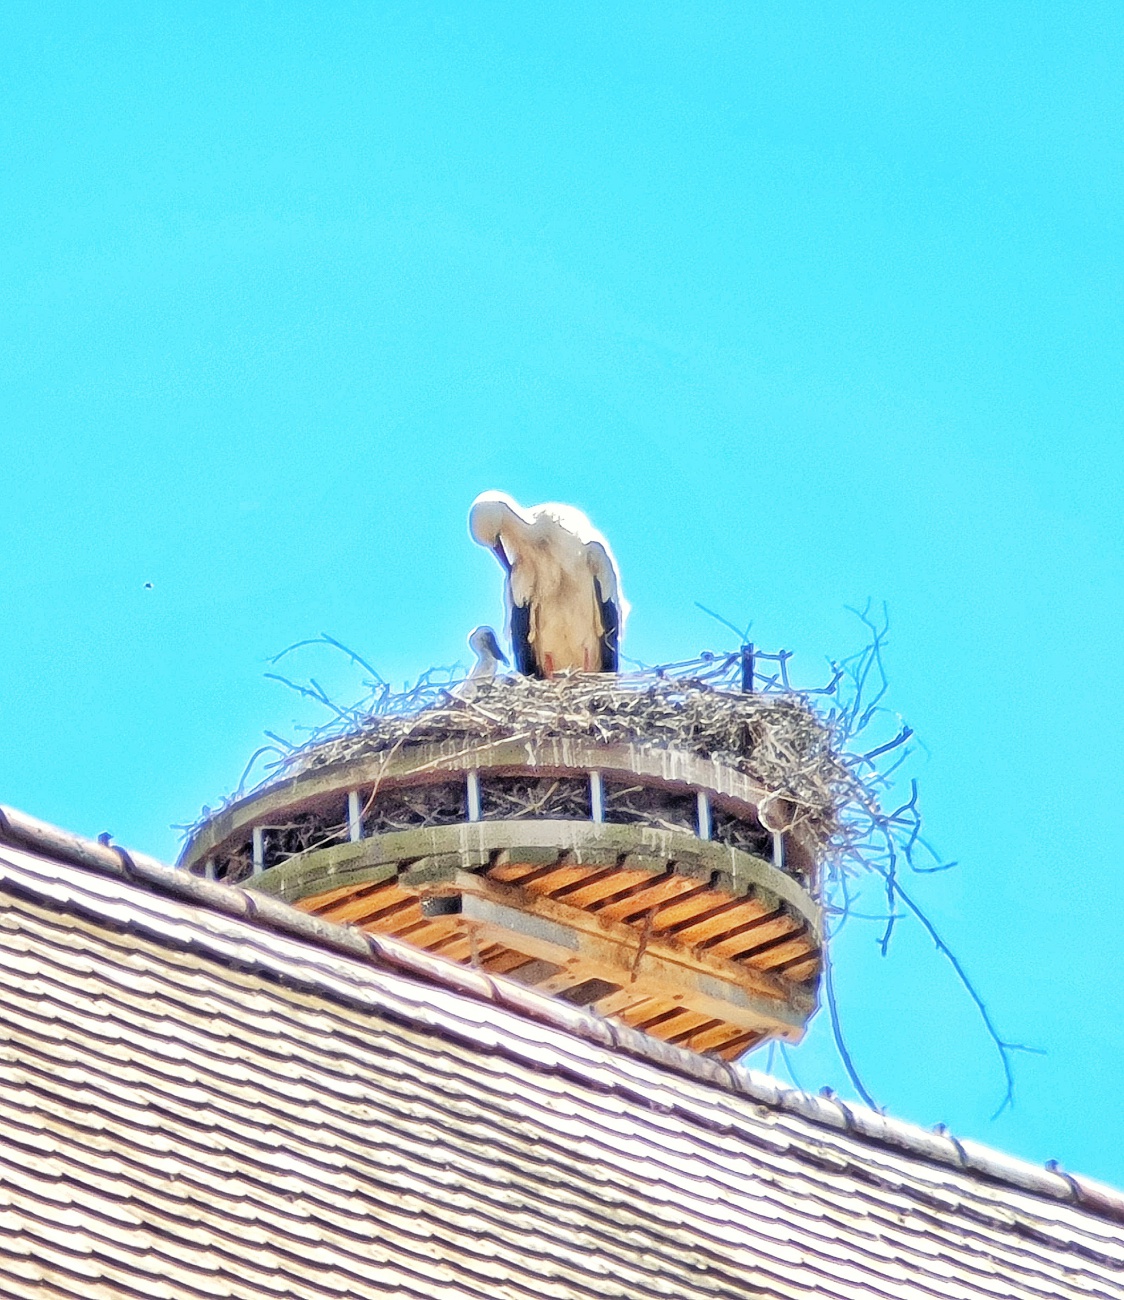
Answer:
(483, 643)
(492, 514)
(488, 515)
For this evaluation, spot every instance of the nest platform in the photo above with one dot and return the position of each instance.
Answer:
(602, 844)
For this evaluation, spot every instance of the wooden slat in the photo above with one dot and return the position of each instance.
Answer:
(328, 904)
(390, 920)
(711, 1040)
(548, 884)
(430, 930)
(510, 873)
(594, 891)
(318, 902)
(689, 1024)
(748, 938)
(802, 969)
(784, 952)
(599, 874)
(643, 900)
(516, 872)
(678, 913)
(675, 1025)
(395, 920)
(730, 916)
(619, 1004)
(647, 878)
(731, 1050)
(384, 901)
(644, 1013)
(505, 961)
(457, 947)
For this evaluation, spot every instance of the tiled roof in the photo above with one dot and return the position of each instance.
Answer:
(207, 1094)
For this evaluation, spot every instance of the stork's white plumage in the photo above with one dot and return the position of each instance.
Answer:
(483, 643)
(565, 608)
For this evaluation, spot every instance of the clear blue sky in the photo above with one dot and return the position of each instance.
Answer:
(803, 304)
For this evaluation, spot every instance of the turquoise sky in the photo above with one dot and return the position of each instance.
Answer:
(804, 304)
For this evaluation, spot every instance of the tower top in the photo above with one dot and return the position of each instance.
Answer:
(643, 844)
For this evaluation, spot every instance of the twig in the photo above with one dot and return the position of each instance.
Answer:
(357, 659)
(837, 1033)
(742, 636)
(1002, 1045)
(262, 749)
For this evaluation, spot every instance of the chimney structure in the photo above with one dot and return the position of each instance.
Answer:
(640, 845)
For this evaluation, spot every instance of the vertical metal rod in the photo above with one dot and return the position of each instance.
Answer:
(209, 869)
(747, 667)
(354, 816)
(778, 850)
(596, 797)
(259, 849)
(472, 778)
(704, 815)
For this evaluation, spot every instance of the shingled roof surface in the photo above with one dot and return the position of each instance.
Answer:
(197, 1103)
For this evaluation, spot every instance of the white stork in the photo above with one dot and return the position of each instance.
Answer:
(565, 609)
(489, 656)
(483, 643)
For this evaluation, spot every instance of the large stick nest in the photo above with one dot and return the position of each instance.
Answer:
(778, 740)
(834, 752)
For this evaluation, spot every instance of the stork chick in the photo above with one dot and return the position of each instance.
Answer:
(489, 656)
(565, 608)
(483, 643)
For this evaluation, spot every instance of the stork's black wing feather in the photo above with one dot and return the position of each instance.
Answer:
(610, 638)
(521, 641)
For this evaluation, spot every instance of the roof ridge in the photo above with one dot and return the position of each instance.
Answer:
(29, 833)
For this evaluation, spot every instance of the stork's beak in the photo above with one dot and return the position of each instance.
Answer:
(492, 645)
